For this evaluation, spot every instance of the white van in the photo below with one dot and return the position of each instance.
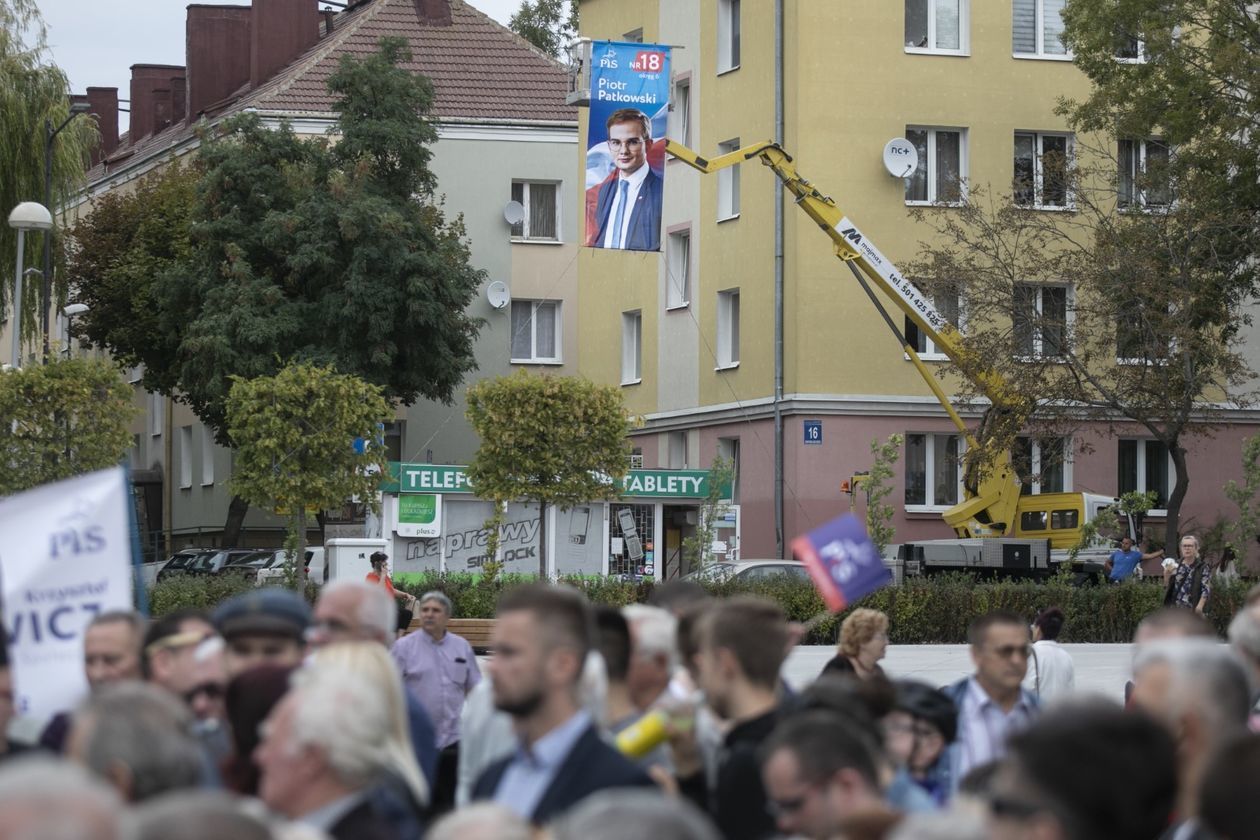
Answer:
(316, 568)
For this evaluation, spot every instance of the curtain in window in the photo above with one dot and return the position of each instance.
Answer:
(948, 160)
(522, 329)
(945, 469)
(916, 469)
(1024, 27)
(518, 195)
(1025, 168)
(916, 184)
(917, 23)
(947, 25)
(545, 330)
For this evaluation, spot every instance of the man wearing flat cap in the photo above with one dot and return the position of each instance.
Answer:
(263, 627)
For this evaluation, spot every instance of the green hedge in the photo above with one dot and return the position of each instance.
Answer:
(923, 611)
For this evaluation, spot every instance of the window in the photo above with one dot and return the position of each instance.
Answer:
(680, 112)
(1139, 338)
(536, 331)
(1037, 31)
(185, 457)
(207, 456)
(678, 265)
(678, 450)
(1130, 49)
(728, 184)
(157, 413)
(393, 439)
(947, 302)
(942, 166)
(728, 329)
(937, 26)
(1043, 465)
(728, 35)
(1040, 320)
(634, 36)
(933, 470)
(1143, 466)
(541, 212)
(1143, 178)
(1041, 169)
(134, 456)
(631, 347)
(728, 451)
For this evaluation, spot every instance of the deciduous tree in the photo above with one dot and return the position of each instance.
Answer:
(555, 440)
(63, 418)
(294, 432)
(549, 25)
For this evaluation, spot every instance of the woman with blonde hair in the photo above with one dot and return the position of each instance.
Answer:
(370, 665)
(863, 642)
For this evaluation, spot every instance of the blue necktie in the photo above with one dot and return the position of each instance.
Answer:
(622, 186)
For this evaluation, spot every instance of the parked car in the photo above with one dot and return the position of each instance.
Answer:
(205, 561)
(748, 570)
(316, 570)
(249, 563)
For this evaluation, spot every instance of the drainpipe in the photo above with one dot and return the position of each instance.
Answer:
(778, 286)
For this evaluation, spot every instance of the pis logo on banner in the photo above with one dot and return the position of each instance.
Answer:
(842, 561)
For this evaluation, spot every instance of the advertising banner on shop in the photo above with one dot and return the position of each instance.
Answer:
(625, 155)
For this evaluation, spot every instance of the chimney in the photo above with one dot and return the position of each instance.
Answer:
(434, 12)
(218, 47)
(279, 31)
(179, 97)
(146, 81)
(328, 20)
(104, 102)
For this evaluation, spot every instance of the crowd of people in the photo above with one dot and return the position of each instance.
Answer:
(669, 720)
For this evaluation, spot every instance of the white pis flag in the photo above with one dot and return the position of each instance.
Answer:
(65, 556)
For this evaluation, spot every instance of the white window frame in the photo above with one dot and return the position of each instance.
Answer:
(207, 456)
(964, 31)
(157, 413)
(676, 450)
(1040, 54)
(1140, 58)
(930, 504)
(526, 237)
(680, 111)
(932, 353)
(1034, 463)
(728, 184)
(1069, 319)
(728, 316)
(634, 36)
(534, 358)
(728, 36)
(1039, 175)
(185, 458)
(932, 167)
(632, 347)
(1141, 471)
(678, 269)
(1137, 202)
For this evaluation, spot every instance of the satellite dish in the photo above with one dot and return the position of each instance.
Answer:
(901, 158)
(514, 212)
(497, 292)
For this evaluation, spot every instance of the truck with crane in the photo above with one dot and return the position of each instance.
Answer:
(997, 530)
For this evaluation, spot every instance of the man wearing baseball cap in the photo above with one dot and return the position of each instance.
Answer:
(265, 626)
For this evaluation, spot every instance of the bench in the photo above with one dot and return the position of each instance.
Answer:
(479, 632)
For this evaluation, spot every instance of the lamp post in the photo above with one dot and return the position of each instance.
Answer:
(50, 134)
(70, 310)
(29, 215)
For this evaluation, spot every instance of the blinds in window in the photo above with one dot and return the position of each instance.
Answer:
(1052, 27)
(1024, 27)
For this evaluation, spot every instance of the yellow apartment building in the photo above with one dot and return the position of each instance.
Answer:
(690, 333)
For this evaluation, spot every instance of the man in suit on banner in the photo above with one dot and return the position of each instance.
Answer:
(628, 207)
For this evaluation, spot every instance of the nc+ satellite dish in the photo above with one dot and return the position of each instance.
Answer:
(901, 158)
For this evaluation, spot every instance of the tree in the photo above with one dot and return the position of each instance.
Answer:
(63, 418)
(549, 25)
(697, 550)
(299, 250)
(877, 484)
(551, 439)
(33, 91)
(294, 434)
(1123, 316)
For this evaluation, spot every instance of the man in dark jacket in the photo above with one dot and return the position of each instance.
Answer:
(742, 645)
(541, 640)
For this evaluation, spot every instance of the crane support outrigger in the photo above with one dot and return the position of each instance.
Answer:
(991, 505)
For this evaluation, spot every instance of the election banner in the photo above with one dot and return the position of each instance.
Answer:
(625, 155)
(842, 561)
(65, 556)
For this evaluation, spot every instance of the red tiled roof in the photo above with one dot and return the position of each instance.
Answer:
(480, 70)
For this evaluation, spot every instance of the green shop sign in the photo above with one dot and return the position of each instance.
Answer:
(650, 484)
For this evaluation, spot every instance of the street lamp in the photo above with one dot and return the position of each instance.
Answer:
(70, 310)
(29, 215)
(50, 134)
